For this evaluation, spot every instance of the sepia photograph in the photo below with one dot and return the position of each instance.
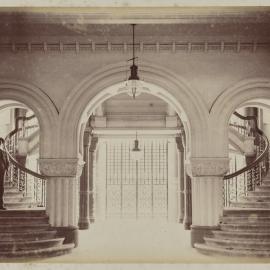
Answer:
(134, 133)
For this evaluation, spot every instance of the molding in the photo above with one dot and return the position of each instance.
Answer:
(61, 167)
(143, 47)
(120, 15)
(208, 166)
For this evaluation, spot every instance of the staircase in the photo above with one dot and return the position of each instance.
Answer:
(244, 228)
(25, 231)
(245, 224)
(14, 199)
(27, 234)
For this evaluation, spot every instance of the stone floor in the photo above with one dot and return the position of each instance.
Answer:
(140, 242)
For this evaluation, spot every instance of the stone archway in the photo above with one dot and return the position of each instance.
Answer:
(233, 97)
(90, 92)
(41, 105)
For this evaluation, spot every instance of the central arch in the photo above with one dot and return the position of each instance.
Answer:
(84, 98)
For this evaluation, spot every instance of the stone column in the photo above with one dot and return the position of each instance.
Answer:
(207, 195)
(172, 181)
(84, 219)
(188, 202)
(92, 190)
(61, 195)
(181, 178)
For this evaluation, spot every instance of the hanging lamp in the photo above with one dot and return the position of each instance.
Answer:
(136, 152)
(133, 85)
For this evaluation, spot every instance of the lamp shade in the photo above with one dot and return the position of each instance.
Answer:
(136, 153)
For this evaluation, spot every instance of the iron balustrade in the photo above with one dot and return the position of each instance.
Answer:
(238, 183)
(26, 181)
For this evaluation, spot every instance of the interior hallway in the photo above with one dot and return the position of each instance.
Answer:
(139, 242)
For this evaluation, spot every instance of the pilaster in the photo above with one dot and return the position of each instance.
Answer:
(62, 194)
(181, 178)
(84, 220)
(207, 194)
(92, 189)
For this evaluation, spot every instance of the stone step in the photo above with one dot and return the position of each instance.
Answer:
(13, 194)
(18, 205)
(11, 189)
(30, 245)
(262, 188)
(244, 219)
(209, 250)
(22, 213)
(266, 182)
(238, 244)
(16, 220)
(252, 198)
(24, 227)
(254, 212)
(27, 235)
(262, 227)
(251, 204)
(258, 193)
(241, 235)
(18, 199)
(38, 253)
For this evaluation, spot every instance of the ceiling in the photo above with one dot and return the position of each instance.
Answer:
(167, 24)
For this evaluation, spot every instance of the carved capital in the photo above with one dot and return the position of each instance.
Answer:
(208, 166)
(93, 144)
(179, 143)
(61, 167)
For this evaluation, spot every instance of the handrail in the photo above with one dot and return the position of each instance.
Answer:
(12, 159)
(16, 163)
(239, 183)
(254, 163)
(260, 157)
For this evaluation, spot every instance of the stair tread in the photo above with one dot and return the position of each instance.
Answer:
(248, 233)
(63, 247)
(25, 241)
(236, 241)
(246, 209)
(230, 251)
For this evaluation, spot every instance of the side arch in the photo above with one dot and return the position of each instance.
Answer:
(42, 106)
(92, 90)
(232, 98)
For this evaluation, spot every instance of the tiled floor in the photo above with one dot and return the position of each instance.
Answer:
(139, 242)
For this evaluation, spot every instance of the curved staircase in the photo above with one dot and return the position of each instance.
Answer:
(27, 234)
(25, 231)
(245, 223)
(244, 228)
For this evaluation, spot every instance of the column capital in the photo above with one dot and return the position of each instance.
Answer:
(61, 167)
(179, 143)
(205, 166)
(86, 137)
(93, 143)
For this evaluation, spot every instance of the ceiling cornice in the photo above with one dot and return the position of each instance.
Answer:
(143, 15)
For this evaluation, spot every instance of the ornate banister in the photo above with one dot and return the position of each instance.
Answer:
(27, 181)
(237, 184)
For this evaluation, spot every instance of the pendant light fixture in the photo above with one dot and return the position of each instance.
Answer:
(133, 84)
(136, 152)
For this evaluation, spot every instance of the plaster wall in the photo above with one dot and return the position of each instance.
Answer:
(208, 74)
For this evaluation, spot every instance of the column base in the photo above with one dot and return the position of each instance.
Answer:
(187, 224)
(180, 220)
(84, 224)
(70, 233)
(92, 220)
(199, 232)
